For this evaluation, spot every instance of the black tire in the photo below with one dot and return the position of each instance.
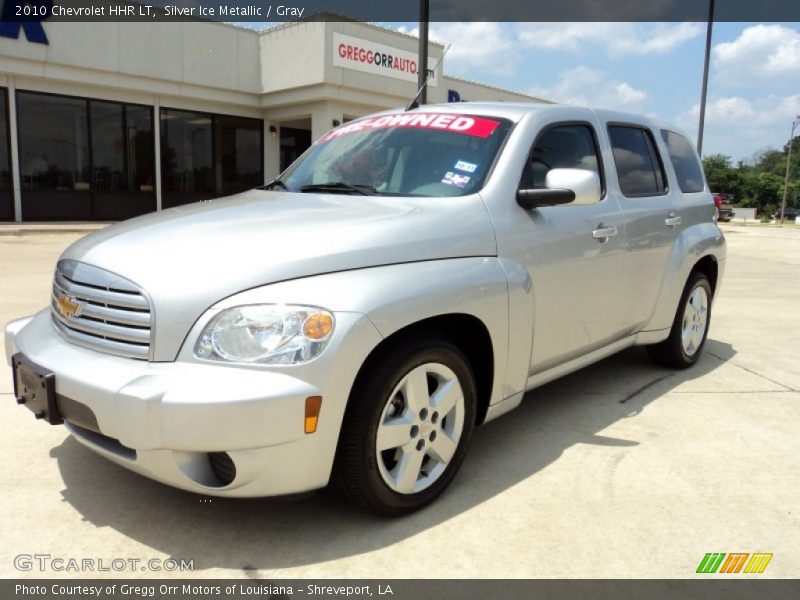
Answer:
(671, 352)
(356, 472)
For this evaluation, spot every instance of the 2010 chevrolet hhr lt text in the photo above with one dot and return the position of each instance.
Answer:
(411, 276)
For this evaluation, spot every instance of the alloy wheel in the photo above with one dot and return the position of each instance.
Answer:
(420, 428)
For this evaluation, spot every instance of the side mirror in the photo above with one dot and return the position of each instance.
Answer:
(563, 186)
(536, 197)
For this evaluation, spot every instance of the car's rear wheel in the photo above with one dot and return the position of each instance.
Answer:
(408, 424)
(690, 327)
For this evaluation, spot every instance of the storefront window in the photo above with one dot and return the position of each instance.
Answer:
(238, 153)
(6, 197)
(141, 160)
(293, 143)
(186, 152)
(108, 147)
(5, 159)
(122, 147)
(84, 159)
(53, 142)
(206, 155)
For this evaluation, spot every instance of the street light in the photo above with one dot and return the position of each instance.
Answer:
(795, 123)
(704, 91)
(422, 68)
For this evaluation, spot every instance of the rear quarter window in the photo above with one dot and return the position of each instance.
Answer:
(684, 160)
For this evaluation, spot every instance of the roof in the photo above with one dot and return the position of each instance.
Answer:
(515, 111)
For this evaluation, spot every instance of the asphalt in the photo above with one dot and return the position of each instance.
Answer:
(621, 470)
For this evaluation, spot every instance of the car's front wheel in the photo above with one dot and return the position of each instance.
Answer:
(408, 424)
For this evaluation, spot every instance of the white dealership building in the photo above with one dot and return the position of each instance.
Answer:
(104, 121)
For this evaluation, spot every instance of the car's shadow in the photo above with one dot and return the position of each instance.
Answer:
(269, 534)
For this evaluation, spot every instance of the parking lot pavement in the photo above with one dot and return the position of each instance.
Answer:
(623, 469)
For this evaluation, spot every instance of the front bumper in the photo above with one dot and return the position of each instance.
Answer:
(163, 419)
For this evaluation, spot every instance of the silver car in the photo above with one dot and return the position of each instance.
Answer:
(411, 276)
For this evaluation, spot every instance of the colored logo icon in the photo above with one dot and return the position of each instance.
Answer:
(734, 562)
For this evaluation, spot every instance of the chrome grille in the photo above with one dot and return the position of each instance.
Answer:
(101, 311)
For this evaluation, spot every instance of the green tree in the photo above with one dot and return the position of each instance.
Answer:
(722, 177)
(758, 184)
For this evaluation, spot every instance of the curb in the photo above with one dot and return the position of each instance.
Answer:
(22, 230)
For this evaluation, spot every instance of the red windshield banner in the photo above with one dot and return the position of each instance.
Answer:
(466, 125)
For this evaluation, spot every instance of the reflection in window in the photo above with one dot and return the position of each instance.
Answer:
(238, 154)
(563, 147)
(210, 154)
(636, 160)
(186, 152)
(684, 159)
(53, 142)
(293, 143)
(108, 147)
(140, 174)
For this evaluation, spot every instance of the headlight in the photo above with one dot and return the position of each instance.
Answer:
(274, 334)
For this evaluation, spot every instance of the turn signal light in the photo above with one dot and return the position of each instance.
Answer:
(318, 326)
(313, 405)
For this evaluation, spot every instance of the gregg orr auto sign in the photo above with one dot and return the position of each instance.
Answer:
(378, 59)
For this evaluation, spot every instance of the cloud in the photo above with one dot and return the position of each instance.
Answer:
(736, 126)
(627, 94)
(476, 46)
(616, 39)
(760, 52)
(495, 47)
(605, 91)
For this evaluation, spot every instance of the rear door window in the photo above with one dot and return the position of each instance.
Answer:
(684, 160)
(636, 158)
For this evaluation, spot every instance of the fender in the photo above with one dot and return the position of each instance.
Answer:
(691, 245)
(395, 296)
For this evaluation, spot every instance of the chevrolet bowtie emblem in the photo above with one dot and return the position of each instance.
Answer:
(69, 306)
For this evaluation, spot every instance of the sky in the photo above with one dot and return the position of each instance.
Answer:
(648, 68)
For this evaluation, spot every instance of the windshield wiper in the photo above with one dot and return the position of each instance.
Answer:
(340, 186)
(275, 183)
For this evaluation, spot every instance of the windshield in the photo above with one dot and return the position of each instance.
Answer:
(408, 154)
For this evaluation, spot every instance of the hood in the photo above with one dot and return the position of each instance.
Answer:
(190, 257)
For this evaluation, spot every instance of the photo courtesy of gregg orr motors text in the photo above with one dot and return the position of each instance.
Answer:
(200, 590)
(43, 563)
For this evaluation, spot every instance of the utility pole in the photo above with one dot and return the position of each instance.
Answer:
(704, 92)
(788, 164)
(422, 69)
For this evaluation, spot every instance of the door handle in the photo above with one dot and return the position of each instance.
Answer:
(673, 220)
(603, 233)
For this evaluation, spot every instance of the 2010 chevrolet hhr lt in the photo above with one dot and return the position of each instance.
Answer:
(411, 276)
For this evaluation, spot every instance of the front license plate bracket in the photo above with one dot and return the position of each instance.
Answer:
(35, 387)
